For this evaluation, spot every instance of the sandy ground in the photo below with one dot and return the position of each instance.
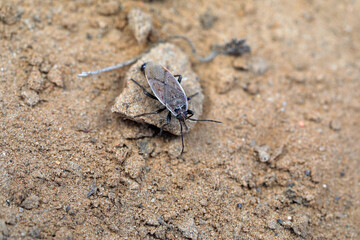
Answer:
(283, 164)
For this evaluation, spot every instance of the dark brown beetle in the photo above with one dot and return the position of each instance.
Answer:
(169, 92)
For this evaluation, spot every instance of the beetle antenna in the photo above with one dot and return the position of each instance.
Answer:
(204, 120)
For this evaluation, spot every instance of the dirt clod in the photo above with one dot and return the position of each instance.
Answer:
(301, 226)
(35, 80)
(36, 59)
(134, 166)
(31, 202)
(45, 66)
(3, 228)
(145, 146)
(188, 228)
(30, 97)
(140, 23)
(55, 76)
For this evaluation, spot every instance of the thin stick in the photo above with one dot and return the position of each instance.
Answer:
(183, 38)
(111, 68)
(211, 56)
(234, 47)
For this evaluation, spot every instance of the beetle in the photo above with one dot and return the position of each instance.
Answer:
(168, 91)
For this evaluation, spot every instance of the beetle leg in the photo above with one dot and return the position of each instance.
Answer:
(182, 138)
(168, 120)
(144, 90)
(190, 112)
(179, 77)
(156, 112)
(190, 97)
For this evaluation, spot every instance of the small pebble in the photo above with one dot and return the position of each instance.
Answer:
(30, 202)
(307, 172)
(301, 124)
(301, 226)
(36, 59)
(93, 189)
(272, 224)
(45, 66)
(67, 208)
(263, 153)
(342, 174)
(133, 185)
(335, 125)
(203, 202)
(251, 88)
(239, 205)
(188, 228)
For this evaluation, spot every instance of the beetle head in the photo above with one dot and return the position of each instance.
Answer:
(183, 114)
